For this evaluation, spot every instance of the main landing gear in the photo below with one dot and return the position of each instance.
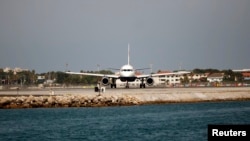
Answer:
(113, 84)
(142, 85)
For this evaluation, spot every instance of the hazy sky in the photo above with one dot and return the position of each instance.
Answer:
(46, 34)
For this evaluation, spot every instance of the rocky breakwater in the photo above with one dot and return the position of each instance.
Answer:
(65, 101)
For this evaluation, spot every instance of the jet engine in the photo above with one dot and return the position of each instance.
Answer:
(105, 81)
(150, 81)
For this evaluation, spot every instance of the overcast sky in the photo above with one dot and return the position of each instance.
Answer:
(44, 35)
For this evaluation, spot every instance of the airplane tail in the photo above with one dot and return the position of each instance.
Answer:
(128, 54)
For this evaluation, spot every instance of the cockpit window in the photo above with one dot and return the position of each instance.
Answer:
(126, 70)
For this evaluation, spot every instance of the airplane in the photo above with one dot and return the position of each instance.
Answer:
(127, 73)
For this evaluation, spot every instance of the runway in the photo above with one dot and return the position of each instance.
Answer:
(74, 91)
(123, 91)
(66, 97)
(82, 91)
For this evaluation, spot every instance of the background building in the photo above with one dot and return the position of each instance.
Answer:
(215, 77)
(245, 73)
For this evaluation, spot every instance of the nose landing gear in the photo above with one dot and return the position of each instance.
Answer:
(127, 86)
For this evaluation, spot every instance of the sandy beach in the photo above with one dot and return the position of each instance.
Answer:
(117, 97)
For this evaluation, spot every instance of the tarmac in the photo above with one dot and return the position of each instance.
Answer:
(137, 92)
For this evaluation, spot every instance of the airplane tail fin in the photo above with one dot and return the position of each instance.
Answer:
(128, 53)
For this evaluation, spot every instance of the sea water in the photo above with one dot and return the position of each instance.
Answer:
(167, 122)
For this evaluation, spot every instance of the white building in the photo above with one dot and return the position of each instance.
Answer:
(245, 73)
(243, 70)
(197, 76)
(215, 77)
(7, 69)
(15, 70)
(170, 79)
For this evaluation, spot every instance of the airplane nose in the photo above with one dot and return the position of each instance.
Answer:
(127, 74)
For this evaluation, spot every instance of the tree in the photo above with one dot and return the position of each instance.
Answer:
(199, 71)
(3, 77)
(185, 79)
(231, 76)
(61, 77)
(238, 76)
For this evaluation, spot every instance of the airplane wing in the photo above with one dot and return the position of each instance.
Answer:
(161, 74)
(172, 73)
(94, 74)
(143, 69)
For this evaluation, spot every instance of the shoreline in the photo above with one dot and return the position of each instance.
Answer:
(122, 97)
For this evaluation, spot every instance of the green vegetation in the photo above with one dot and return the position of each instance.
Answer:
(199, 71)
(230, 76)
(24, 77)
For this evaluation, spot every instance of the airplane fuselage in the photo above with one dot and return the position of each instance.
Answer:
(127, 73)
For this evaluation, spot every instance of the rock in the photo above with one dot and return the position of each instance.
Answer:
(29, 99)
(20, 100)
(66, 101)
(5, 101)
(51, 100)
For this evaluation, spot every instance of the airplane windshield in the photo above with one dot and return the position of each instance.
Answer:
(126, 70)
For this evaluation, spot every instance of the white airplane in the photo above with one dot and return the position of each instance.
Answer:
(126, 74)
